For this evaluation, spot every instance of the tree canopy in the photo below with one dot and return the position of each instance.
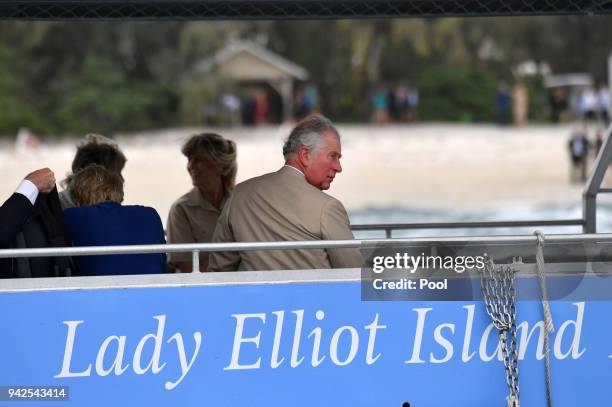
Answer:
(75, 77)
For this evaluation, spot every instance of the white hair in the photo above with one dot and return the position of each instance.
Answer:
(309, 133)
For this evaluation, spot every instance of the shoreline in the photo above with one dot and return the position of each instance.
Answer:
(417, 166)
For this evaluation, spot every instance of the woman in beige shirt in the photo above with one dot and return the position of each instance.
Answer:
(211, 164)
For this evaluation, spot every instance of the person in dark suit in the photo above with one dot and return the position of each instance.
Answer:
(17, 212)
(99, 219)
(17, 209)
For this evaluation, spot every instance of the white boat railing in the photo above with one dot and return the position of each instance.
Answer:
(525, 245)
(305, 244)
(388, 228)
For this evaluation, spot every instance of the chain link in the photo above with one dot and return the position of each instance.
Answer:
(500, 302)
(283, 10)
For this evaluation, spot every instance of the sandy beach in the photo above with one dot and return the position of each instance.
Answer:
(423, 166)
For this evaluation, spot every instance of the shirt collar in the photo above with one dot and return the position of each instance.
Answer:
(293, 168)
(195, 198)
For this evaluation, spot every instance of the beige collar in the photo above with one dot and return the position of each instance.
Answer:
(294, 169)
(194, 198)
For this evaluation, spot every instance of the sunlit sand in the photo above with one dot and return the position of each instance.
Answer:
(435, 166)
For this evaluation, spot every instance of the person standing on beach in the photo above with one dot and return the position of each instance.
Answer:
(579, 148)
(503, 104)
(289, 205)
(520, 104)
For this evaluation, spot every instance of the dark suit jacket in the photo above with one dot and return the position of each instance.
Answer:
(13, 215)
(23, 225)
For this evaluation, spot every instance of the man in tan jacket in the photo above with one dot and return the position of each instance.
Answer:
(289, 205)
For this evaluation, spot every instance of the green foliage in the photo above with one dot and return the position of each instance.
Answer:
(456, 93)
(103, 99)
(76, 77)
(538, 99)
(199, 97)
(15, 110)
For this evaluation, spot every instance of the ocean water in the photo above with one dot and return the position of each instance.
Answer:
(374, 215)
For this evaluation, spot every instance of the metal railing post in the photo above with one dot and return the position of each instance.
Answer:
(589, 212)
(593, 185)
(389, 228)
(195, 259)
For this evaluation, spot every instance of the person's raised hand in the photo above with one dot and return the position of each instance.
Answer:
(43, 179)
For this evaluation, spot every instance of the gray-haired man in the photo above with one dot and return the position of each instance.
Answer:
(289, 205)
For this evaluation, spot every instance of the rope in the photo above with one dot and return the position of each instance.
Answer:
(548, 322)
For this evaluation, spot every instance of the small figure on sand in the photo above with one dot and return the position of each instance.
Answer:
(503, 104)
(578, 149)
(26, 142)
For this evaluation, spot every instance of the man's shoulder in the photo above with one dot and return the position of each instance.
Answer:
(284, 180)
(322, 197)
(330, 199)
(331, 204)
(255, 182)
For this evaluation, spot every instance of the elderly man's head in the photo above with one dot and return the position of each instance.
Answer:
(314, 148)
(95, 184)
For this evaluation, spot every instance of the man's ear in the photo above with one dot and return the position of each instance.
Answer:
(304, 155)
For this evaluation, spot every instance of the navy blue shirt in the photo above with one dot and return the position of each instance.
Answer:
(111, 224)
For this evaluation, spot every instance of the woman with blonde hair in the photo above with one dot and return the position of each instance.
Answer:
(211, 164)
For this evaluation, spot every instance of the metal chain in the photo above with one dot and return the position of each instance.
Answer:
(498, 291)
